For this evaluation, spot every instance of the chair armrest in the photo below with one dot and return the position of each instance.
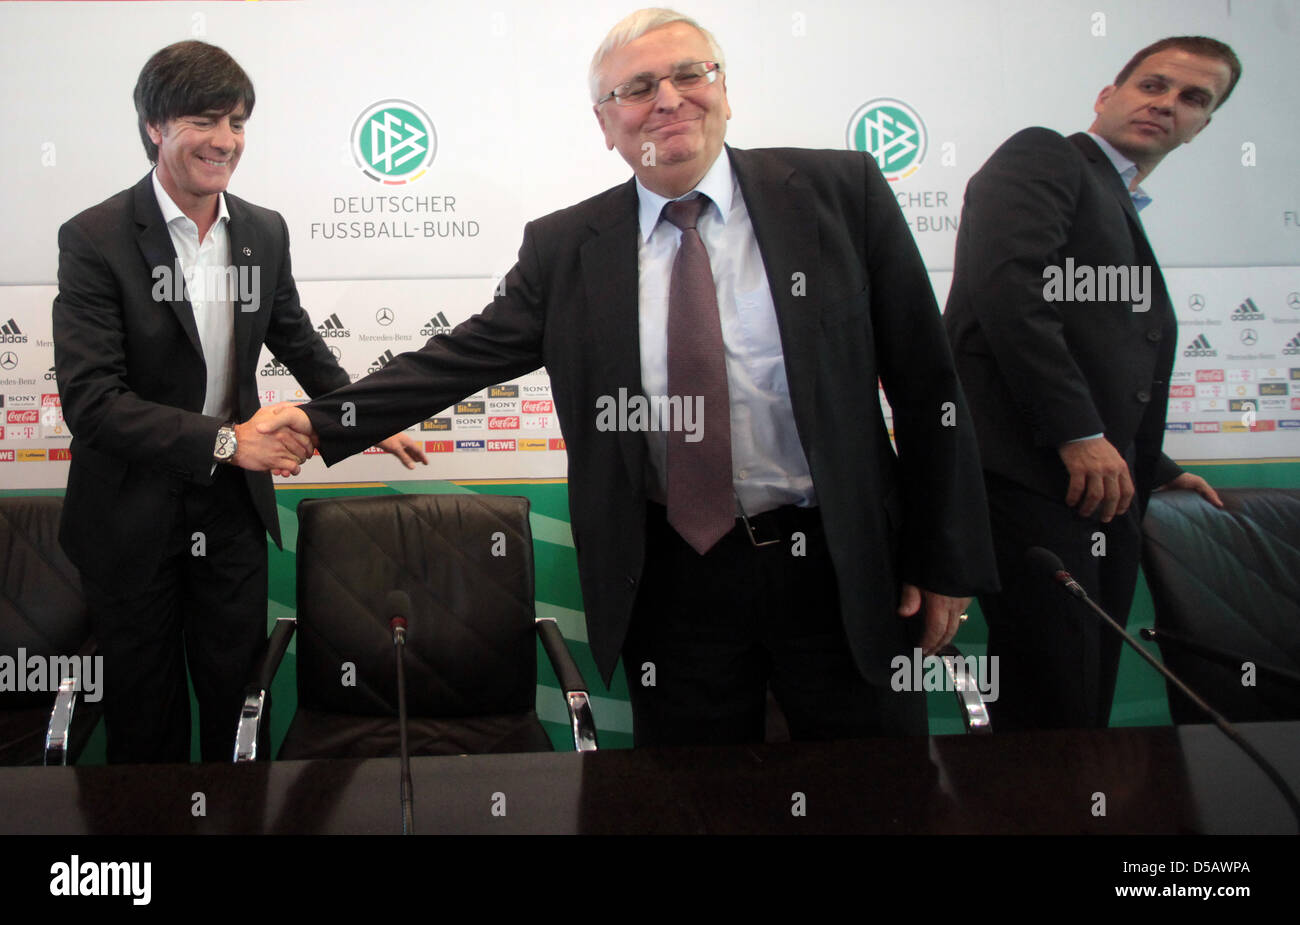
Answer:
(1232, 660)
(572, 684)
(59, 731)
(257, 694)
(60, 727)
(974, 712)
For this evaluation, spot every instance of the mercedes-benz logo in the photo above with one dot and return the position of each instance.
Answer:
(338, 354)
(1293, 300)
(384, 316)
(1249, 336)
(1196, 302)
(8, 360)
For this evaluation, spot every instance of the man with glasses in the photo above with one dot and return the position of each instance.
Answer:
(714, 330)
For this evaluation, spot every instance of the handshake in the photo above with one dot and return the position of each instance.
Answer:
(280, 438)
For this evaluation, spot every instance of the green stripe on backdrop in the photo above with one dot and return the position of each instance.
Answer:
(1140, 698)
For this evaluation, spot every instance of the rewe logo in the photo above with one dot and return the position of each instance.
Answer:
(393, 142)
(1247, 311)
(103, 878)
(332, 327)
(892, 132)
(438, 324)
(381, 361)
(10, 334)
(1200, 347)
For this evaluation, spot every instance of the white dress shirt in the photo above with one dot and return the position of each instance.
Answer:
(212, 294)
(1127, 171)
(768, 464)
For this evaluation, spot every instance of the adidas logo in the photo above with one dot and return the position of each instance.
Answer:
(10, 333)
(436, 325)
(1200, 347)
(381, 361)
(1247, 311)
(50, 375)
(1292, 347)
(274, 367)
(332, 327)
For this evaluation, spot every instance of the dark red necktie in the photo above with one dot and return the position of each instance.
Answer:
(701, 505)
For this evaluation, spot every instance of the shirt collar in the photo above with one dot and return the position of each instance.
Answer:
(1127, 171)
(171, 211)
(716, 184)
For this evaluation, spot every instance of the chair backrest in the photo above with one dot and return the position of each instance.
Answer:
(1229, 578)
(466, 561)
(41, 607)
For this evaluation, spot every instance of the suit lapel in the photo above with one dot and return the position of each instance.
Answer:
(246, 252)
(156, 246)
(1109, 176)
(610, 277)
(779, 203)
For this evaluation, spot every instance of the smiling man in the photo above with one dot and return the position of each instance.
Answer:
(167, 292)
(1069, 390)
(781, 541)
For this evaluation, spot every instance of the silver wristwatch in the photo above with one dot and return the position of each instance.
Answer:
(226, 445)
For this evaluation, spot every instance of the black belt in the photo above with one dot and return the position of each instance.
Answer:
(778, 524)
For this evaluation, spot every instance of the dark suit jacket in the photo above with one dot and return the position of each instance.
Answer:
(853, 303)
(132, 377)
(1039, 373)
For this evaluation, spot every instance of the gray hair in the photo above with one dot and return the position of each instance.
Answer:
(637, 24)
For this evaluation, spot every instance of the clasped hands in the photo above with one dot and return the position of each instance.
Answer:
(280, 438)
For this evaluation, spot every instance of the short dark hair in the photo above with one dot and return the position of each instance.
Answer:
(186, 79)
(1193, 45)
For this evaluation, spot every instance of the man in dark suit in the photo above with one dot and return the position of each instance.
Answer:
(167, 292)
(1064, 337)
(795, 569)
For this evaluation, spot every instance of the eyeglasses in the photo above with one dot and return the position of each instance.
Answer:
(643, 88)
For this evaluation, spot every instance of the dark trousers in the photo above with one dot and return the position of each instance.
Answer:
(207, 610)
(710, 633)
(1057, 662)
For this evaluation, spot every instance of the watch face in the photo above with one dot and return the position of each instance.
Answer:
(225, 444)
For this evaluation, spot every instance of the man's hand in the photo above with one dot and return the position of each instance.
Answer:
(404, 448)
(1194, 483)
(286, 418)
(1098, 475)
(264, 448)
(942, 615)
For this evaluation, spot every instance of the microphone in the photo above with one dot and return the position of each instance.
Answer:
(399, 605)
(1049, 564)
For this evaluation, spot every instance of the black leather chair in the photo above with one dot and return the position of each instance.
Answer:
(42, 616)
(466, 561)
(1226, 588)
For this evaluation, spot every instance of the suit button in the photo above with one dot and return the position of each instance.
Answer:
(631, 582)
(1154, 336)
(1143, 395)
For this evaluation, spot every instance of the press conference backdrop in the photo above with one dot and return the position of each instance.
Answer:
(407, 143)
